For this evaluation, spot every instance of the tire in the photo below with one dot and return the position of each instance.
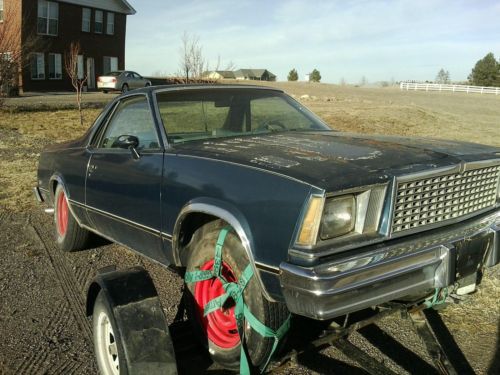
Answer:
(105, 91)
(69, 235)
(125, 88)
(147, 84)
(223, 342)
(108, 347)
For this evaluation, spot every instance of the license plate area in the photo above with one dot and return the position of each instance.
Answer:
(470, 254)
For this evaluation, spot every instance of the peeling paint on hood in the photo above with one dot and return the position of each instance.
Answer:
(334, 160)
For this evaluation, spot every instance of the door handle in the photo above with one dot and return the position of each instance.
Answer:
(92, 168)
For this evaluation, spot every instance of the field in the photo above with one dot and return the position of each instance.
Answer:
(42, 321)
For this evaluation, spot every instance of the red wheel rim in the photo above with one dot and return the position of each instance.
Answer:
(62, 214)
(220, 325)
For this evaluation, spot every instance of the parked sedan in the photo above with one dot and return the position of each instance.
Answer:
(121, 80)
(253, 196)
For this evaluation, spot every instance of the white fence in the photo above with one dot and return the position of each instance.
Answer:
(453, 88)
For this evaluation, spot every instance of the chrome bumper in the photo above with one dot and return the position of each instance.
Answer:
(406, 267)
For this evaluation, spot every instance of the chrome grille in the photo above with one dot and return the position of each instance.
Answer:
(435, 199)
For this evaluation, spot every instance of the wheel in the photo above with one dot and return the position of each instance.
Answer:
(105, 91)
(124, 87)
(69, 235)
(147, 84)
(108, 347)
(218, 330)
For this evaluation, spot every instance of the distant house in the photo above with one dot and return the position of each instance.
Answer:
(219, 74)
(254, 74)
(98, 25)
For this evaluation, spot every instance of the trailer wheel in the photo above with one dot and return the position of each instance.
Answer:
(69, 235)
(108, 346)
(218, 330)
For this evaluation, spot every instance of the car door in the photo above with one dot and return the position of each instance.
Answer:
(123, 185)
(138, 80)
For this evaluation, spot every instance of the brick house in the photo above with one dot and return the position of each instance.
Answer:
(98, 25)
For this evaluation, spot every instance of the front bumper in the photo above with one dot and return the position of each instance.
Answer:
(405, 267)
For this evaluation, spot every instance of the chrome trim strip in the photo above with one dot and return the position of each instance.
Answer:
(231, 220)
(175, 88)
(119, 218)
(266, 267)
(481, 164)
(125, 246)
(456, 168)
(167, 236)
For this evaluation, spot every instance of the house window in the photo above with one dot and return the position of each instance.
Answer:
(79, 67)
(86, 19)
(48, 17)
(110, 64)
(98, 22)
(1, 10)
(37, 66)
(55, 67)
(110, 26)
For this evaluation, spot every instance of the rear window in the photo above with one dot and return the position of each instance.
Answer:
(113, 74)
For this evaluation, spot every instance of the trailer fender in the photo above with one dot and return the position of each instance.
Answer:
(139, 317)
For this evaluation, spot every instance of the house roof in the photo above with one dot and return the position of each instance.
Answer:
(118, 6)
(253, 73)
(226, 73)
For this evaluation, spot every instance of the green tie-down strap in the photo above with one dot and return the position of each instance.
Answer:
(438, 298)
(241, 311)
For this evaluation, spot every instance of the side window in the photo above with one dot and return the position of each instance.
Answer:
(132, 117)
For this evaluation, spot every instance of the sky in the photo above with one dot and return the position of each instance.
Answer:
(379, 40)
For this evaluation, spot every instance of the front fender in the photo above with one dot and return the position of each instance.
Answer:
(230, 214)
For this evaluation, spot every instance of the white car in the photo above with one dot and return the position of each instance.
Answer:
(121, 80)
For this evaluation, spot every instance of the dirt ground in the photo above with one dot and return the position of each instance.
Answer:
(43, 328)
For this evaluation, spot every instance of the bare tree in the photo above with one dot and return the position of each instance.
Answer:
(78, 79)
(13, 49)
(192, 63)
(443, 76)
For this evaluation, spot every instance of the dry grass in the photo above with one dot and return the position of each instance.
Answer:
(456, 116)
(23, 136)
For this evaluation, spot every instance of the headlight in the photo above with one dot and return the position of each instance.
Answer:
(339, 217)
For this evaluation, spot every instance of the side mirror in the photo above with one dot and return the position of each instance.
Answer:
(128, 142)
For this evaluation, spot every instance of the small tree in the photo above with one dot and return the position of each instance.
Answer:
(77, 81)
(293, 75)
(315, 76)
(486, 72)
(192, 62)
(443, 76)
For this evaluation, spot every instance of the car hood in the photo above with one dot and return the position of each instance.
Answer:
(335, 160)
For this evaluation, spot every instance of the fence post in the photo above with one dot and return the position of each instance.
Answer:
(482, 88)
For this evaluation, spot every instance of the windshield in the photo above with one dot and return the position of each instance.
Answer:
(216, 113)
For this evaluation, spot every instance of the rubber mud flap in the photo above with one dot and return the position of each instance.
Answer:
(140, 320)
(146, 338)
